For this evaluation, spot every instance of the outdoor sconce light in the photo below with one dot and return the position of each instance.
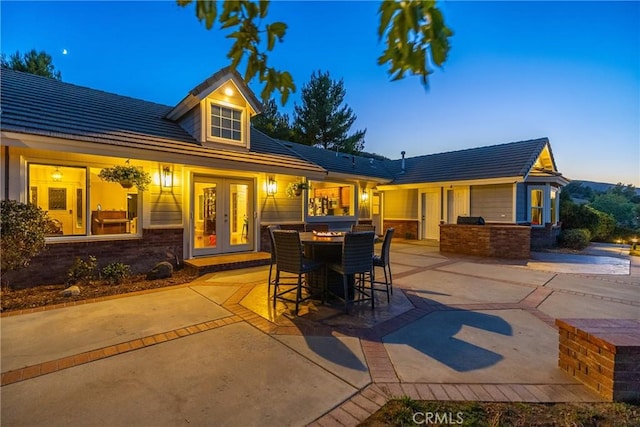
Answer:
(272, 186)
(166, 177)
(364, 196)
(56, 175)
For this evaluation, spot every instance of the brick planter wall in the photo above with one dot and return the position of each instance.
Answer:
(546, 237)
(490, 240)
(603, 354)
(405, 229)
(51, 265)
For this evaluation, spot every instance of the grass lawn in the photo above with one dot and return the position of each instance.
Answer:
(408, 412)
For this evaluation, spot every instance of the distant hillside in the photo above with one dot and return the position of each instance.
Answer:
(600, 187)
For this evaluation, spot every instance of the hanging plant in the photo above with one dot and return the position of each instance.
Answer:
(295, 188)
(127, 176)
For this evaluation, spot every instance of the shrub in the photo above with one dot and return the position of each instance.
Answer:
(576, 238)
(82, 271)
(601, 225)
(115, 273)
(23, 228)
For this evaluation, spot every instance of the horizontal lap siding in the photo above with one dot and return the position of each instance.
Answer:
(191, 122)
(166, 205)
(280, 208)
(401, 204)
(492, 202)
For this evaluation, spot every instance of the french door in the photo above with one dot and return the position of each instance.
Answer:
(221, 215)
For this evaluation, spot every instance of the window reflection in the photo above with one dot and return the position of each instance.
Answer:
(62, 192)
(330, 199)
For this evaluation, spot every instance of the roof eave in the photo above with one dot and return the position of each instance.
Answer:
(454, 183)
(208, 86)
(178, 154)
(358, 177)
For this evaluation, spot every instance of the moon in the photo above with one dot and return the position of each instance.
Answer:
(65, 51)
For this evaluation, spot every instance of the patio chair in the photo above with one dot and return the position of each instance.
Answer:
(316, 227)
(382, 260)
(290, 259)
(363, 227)
(357, 263)
(270, 230)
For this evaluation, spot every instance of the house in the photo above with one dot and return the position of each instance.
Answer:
(217, 182)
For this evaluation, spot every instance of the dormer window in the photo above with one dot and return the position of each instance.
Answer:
(226, 123)
(216, 113)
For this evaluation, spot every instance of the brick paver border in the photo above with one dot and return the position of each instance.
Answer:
(385, 384)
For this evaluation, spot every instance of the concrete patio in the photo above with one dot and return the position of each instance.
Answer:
(214, 352)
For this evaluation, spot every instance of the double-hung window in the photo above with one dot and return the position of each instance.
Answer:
(536, 206)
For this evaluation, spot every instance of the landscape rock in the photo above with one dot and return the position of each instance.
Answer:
(162, 270)
(71, 291)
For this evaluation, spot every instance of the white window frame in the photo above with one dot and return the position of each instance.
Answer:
(219, 139)
(546, 209)
(87, 205)
(556, 193)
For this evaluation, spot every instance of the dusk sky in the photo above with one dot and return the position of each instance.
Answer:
(569, 71)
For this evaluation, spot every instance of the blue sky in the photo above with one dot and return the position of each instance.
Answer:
(569, 71)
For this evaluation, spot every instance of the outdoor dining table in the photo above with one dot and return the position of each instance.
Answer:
(325, 247)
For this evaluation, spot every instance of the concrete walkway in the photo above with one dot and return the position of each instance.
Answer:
(215, 352)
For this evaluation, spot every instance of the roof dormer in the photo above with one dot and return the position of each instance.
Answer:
(218, 111)
(545, 160)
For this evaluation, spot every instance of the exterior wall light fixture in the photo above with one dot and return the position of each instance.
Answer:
(272, 186)
(56, 175)
(166, 177)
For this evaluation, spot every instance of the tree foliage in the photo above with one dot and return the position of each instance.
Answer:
(628, 191)
(22, 231)
(323, 119)
(578, 191)
(601, 225)
(415, 35)
(38, 63)
(618, 206)
(273, 123)
(251, 40)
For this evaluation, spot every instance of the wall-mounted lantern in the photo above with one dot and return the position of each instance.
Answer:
(166, 177)
(364, 196)
(272, 186)
(56, 175)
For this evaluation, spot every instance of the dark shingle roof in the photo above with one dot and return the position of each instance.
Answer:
(42, 106)
(38, 105)
(495, 161)
(341, 162)
(45, 106)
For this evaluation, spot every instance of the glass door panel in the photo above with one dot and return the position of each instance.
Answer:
(205, 215)
(240, 214)
(222, 215)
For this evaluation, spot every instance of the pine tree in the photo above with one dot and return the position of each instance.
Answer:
(38, 63)
(272, 123)
(322, 120)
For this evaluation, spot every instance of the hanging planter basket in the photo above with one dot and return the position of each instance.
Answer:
(127, 176)
(294, 189)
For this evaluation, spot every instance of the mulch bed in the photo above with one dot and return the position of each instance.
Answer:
(45, 295)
